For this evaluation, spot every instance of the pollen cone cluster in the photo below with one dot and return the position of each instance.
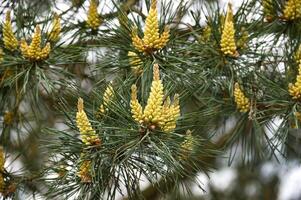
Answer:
(135, 62)
(268, 9)
(9, 39)
(88, 134)
(94, 20)
(156, 112)
(242, 102)
(84, 171)
(54, 34)
(107, 98)
(292, 10)
(152, 40)
(228, 46)
(295, 89)
(34, 52)
(2, 161)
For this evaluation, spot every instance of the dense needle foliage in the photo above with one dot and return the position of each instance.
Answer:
(96, 96)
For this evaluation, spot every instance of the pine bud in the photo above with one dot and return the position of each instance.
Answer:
(88, 134)
(295, 89)
(33, 51)
(94, 20)
(242, 102)
(9, 39)
(54, 34)
(85, 171)
(152, 40)
(151, 32)
(136, 108)
(228, 46)
(136, 63)
(292, 10)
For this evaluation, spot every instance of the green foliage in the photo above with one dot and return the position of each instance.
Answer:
(40, 97)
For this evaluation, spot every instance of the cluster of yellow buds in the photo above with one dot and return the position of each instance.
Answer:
(228, 46)
(85, 171)
(187, 145)
(295, 89)
(34, 52)
(292, 10)
(54, 34)
(10, 41)
(242, 102)
(151, 41)
(268, 9)
(88, 134)
(2, 162)
(242, 42)
(156, 112)
(94, 20)
(107, 98)
(135, 62)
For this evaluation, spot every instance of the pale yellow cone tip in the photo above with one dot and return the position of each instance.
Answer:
(229, 15)
(37, 29)
(7, 17)
(134, 91)
(156, 72)
(176, 98)
(55, 15)
(80, 105)
(154, 4)
(188, 132)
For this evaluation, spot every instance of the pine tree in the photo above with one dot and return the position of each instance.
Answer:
(100, 95)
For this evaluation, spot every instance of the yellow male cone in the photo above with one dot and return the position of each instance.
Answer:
(228, 46)
(9, 39)
(94, 20)
(153, 108)
(152, 40)
(292, 10)
(34, 52)
(295, 89)
(88, 134)
(242, 102)
(156, 114)
(54, 34)
(84, 171)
